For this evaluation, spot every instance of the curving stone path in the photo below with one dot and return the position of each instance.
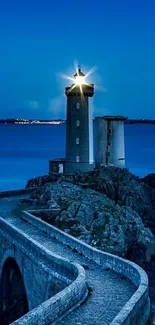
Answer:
(109, 292)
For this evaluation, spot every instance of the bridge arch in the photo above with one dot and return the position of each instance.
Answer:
(13, 298)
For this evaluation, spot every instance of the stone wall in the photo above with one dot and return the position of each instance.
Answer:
(137, 310)
(38, 265)
(18, 192)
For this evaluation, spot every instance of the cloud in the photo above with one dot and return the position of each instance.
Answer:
(31, 104)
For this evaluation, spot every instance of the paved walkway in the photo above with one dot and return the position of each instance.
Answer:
(109, 291)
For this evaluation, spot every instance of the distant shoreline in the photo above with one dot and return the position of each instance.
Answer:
(56, 122)
(30, 122)
(139, 121)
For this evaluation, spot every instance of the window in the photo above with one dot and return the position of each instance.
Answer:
(77, 105)
(77, 158)
(77, 140)
(77, 123)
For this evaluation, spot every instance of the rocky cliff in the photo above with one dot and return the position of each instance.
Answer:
(119, 185)
(109, 208)
(95, 218)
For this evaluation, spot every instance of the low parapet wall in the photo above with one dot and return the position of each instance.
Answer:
(18, 192)
(137, 309)
(50, 310)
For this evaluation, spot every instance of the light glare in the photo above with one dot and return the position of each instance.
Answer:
(80, 80)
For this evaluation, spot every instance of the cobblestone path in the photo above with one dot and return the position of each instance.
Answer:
(109, 291)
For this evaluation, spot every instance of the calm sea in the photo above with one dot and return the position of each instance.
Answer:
(26, 149)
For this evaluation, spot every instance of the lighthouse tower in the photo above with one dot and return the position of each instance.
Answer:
(79, 127)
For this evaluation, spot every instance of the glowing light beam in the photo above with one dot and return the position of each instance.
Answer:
(71, 88)
(80, 80)
(93, 69)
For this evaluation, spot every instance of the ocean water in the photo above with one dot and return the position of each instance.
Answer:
(26, 149)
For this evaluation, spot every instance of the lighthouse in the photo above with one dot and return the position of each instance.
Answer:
(79, 126)
(109, 146)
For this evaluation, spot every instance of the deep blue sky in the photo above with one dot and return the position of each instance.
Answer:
(40, 38)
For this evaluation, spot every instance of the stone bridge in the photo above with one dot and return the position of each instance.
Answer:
(49, 277)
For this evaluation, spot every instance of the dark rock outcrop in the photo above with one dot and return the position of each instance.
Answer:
(95, 218)
(117, 184)
(41, 181)
(108, 208)
(149, 180)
